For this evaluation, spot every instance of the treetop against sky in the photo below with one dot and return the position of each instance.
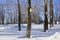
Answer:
(32, 1)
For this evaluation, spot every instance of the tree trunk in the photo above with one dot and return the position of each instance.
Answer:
(14, 19)
(45, 14)
(29, 20)
(19, 17)
(0, 21)
(51, 14)
(2, 16)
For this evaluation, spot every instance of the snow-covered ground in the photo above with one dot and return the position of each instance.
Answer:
(10, 32)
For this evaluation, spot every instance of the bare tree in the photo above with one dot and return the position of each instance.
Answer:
(9, 11)
(2, 15)
(19, 17)
(51, 13)
(29, 20)
(45, 14)
(57, 12)
(37, 8)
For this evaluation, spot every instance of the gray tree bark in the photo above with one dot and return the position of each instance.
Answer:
(19, 17)
(45, 14)
(51, 14)
(28, 31)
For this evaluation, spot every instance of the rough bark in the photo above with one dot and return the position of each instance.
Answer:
(45, 14)
(29, 20)
(51, 14)
(19, 16)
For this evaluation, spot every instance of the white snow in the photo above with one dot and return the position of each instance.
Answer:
(7, 38)
(10, 32)
(56, 36)
(2, 28)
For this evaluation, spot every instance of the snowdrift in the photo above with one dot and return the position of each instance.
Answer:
(56, 36)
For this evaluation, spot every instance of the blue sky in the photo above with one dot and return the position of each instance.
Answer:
(54, 1)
